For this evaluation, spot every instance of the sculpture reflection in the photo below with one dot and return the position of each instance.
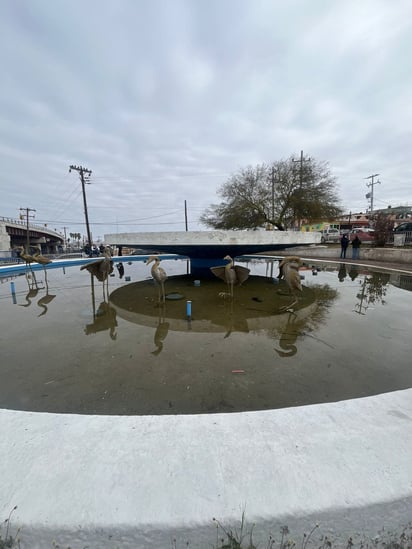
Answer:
(233, 322)
(255, 310)
(33, 291)
(161, 332)
(33, 288)
(288, 338)
(104, 316)
(44, 301)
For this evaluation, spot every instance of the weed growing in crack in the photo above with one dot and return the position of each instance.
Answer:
(9, 541)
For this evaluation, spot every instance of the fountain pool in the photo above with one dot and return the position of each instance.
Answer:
(67, 349)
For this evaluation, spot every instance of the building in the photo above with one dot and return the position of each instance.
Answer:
(349, 221)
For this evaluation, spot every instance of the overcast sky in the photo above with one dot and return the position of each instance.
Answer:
(164, 99)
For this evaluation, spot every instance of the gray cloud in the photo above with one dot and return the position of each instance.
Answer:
(164, 100)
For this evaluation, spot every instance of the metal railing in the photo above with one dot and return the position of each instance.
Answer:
(10, 258)
(400, 239)
(32, 226)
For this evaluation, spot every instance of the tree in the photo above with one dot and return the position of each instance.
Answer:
(282, 194)
(383, 227)
(76, 236)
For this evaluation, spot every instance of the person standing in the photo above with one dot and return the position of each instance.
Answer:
(344, 242)
(356, 242)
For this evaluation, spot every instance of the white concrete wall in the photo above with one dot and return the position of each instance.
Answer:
(389, 255)
(4, 238)
(204, 238)
(131, 482)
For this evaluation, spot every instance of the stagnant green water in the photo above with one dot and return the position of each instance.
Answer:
(67, 348)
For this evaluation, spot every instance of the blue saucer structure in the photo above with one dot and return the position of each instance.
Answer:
(206, 249)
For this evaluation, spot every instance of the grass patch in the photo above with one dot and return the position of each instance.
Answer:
(9, 541)
(242, 538)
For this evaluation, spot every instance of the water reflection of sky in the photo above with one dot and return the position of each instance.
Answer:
(64, 348)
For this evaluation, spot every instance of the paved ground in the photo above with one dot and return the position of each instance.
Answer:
(384, 264)
(405, 267)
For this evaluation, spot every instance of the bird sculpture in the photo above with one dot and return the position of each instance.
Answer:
(103, 319)
(159, 276)
(101, 268)
(231, 274)
(289, 270)
(25, 256)
(39, 258)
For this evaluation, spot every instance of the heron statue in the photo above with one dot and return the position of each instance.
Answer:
(231, 274)
(25, 256)
(159, 276)
(101, 268)
(289, 270)
(39, 258)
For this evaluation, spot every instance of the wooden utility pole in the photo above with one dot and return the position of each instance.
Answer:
(371, 184)
(186, 227)
(273, 194)
(301, 161)
(65, 238)
(27, 210)
(82, 171)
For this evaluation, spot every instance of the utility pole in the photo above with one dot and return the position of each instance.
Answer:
(27, 210)
(65, 239)
(301, 161)
(371, 184)
(186, 227)
(82, 171)
(273, 194)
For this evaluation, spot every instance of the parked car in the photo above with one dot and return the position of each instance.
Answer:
(364, 235)
(329, 235)
(404, 229)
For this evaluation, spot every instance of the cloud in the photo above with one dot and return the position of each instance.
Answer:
(163, 101)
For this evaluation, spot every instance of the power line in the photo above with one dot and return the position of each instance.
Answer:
(68, 201)
(168, 176)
